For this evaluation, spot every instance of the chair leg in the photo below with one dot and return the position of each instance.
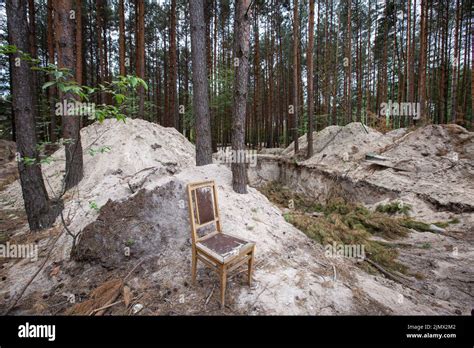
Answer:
(250, 268)
(194, 266)
(223, 274)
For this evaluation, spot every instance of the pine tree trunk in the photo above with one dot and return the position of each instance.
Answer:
(241, 53)
(70, 123)
(454, 82)
(295, 75)
(122, 70)
(170, 121)
(100, 46)
(140, 46)
(79, 42)
(33, 50)
(309, 58)
(256, 95)
(422, 66)
(39, 210)
(51, 60)
(349, 63)
(200, 83)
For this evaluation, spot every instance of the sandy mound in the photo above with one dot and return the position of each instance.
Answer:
(434, 163)
(336, 145)
(118, 157)
(138, 184)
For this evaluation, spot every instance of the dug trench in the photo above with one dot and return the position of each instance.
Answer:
(432, 256)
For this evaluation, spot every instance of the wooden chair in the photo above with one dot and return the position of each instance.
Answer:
(220, 251)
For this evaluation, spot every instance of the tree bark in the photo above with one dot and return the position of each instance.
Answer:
(70, 123)
(349, 63)
(422, 67)
(122, 70)
(256, 96)
(51, 90)
(140, 62)
(241, 54)
(200, 83)
(100, 46)
(454, 82)
(40, 211)
(295, 76)
(171, 119)
(79, 42)
(309, 58)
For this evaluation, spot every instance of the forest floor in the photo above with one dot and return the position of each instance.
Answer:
(133, 198)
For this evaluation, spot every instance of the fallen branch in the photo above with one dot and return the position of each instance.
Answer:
(210, 295)
(105, 307)
(133, 269)
(256, 298)
(398, 278)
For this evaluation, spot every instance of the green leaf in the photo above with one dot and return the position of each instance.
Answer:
(93, 205)
(47, 160)
(119, 98)
(28, 161)
(48, 84)
(143, 83)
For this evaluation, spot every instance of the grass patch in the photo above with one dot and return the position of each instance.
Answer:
(415, 225)
(444, 224)
(394, 207)
(348, 223)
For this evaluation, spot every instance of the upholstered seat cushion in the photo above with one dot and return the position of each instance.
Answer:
(224, 246)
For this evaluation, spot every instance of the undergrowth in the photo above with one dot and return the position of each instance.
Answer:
(348, 223)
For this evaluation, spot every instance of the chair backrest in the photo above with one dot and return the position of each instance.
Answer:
(203, 208)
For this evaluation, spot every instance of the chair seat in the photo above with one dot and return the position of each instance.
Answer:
(224, 247)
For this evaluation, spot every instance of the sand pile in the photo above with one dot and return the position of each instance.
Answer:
(437, 165)
(339, 146)
(117, 159)
(434, 163)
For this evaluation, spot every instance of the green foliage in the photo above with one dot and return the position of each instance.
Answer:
(454, 221)
(415, 225)
(394, 207)
(28, 161)
(444, 224)
(93, 205)
(130, 242)
(101, 149)
(46, 160)
(287, 217)
(119, 89)
(347, 223)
